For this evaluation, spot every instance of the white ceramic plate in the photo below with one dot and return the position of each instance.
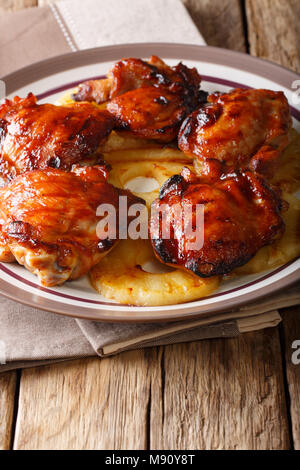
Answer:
(221, 70)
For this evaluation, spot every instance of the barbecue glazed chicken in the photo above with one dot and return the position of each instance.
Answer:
(48, 221)
(241, 215)
(35, 136)
(148, 99)
(241, 129)
(207, 223)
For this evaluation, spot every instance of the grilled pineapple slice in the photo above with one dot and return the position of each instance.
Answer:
(66, 100)
(120, 276)
(120, 147)
(124, 148)
(144, 178)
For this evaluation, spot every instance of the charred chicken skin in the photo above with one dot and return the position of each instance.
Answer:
(49, 223)
(130, 74)
(36, 136)
(241, 215)
(149, 113)
(148, 99)
(241, 129)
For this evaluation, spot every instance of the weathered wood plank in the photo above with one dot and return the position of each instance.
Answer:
(274, 30)
(221, 394)
(14, 5)
(42, 3)
(291, 330)
(211, 394)
(7, 394)
(87, 404)
(220, 22)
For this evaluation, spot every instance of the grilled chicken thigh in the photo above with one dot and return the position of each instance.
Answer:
(241, 215)
(148, 99)
(49, 224)
(240, 129)
(131, 74)
(148, 113)
(6, 255)
(35, 136)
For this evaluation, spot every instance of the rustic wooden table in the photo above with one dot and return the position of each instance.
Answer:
(239, 393)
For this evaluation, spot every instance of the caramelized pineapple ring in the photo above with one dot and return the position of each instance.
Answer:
(120, 277)
(67, 99)
(117, 142)
(136, 175)
(124, 148)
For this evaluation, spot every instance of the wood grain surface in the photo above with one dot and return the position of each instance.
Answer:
(221, 395)
(240, 393)
(87, 404)
(274, 30)
(291, 344)
(7, 401)
(220, 22)
(15, 5)
(204, 395)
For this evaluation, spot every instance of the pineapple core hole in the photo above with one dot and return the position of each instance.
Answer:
(155, 267)
(140, 184)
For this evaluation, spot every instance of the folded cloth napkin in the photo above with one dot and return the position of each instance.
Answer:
(34, 34)
(31, 337)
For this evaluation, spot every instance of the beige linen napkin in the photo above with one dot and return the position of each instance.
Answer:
(31, 337)
(34, 34)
